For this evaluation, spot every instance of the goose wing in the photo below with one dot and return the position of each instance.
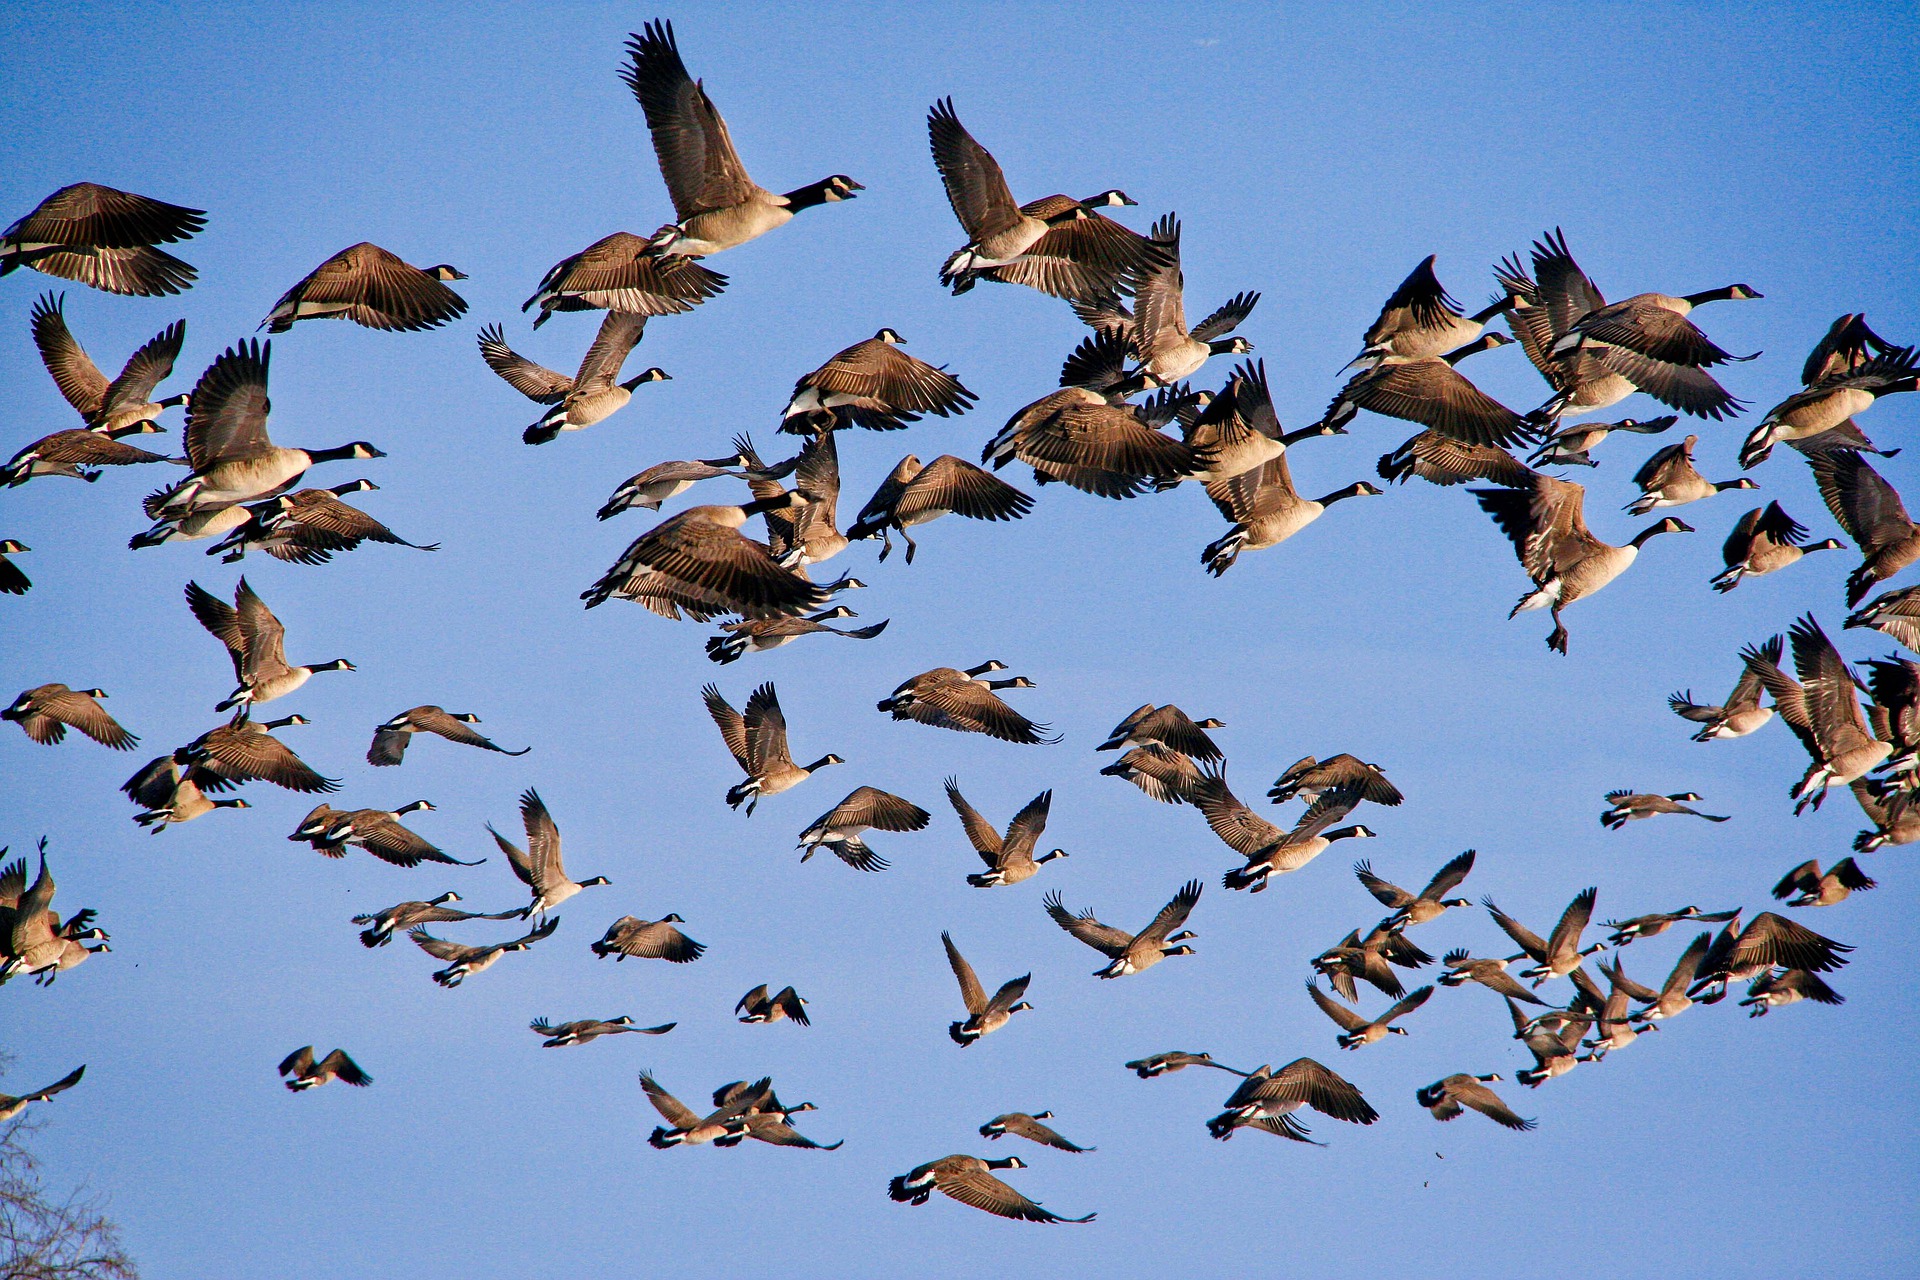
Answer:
(79, 379)
(697, 159)
(87, 213)
(1173, 915)
(534, 381)
(1565, 290)
(1472, 1093)
(979, 1189)
(444, 948)
(222, 620)
(671, 1109)
(766, 731)
(619, 334)
(980, 833)
(1832, 703)
(972, 994)
(1240, 828)
(1448, 878)
(543, 842)
(953, 484)
(1573, 921)
(297, 1063)
(1104, 938)
(72, 707)
(378, 290)
(976, 189)
(1388, 893)
(145, 369)
(1343, 1017)
(881, 810)
(345, 1069)
(1775, 940)
(227, 410)
(1866, 506)
(262, 636)
(1305, 1081)
(1009, 994)
(1526, 939)
(732, 725)
(1159, 302)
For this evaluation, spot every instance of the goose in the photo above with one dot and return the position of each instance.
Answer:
(1371, 959)
(1166, 776)
(33, 940)
(865, 808)
(808, 532)
(1655, 325)
(1307, 777)
(1570, 446)
(1893, 613)
(1157, 326)
(1668, 479)
(620, 272)
(45, 712)
(1418, 908)
(1131, 952)
(1806, 886)
(306, 1073)
(586, 1029)
(1429, 391)
(233, 459)
(168, 794)
(873, 384)
(1490, 973)
(1560, 954)
(970, 1180)
(913, 495)
(1442, 460)
(1848, 344)
(1672, 999)
(725, 1127)
(768, 1118)
(1268, 849)
(391, 738)
(1357, 1032)
(106, 406)
(675, 598)
(648, 489)
(78, 454)
(464, 960)
(960, 700)
(379, 832)
(1097, 442)
(1063, 247)
(758, 1006)
(1771, 941)
(1764, 540)
(1160, 1064)
(104, 238)
(316, 830)
(758, 744)
(1445, 1098)
(1554, 1052)
(1615, 1027)
(648, 940)
(1894, 685)
(1267, 1100)
(1238, 431)
(1009, 858)
(1871, 512)
(539, 865)
(1627, 806)
(382, 925)
(11, 1106)
(984, 1016)
(702, 550)
(13, 582)
(373, 288)
(1265, 510)
(1650, 926)
(1420, 318)
(716, 205)
(1022, 1125)
(254, 640)
(308, 526)
(245, 750)
(1892, 811)
(759, 635)
(591, 395)
(1565, 561)
(1165, 729)
(1742, 713)
(1831, 402)
(1787, 986)
(1823, 710)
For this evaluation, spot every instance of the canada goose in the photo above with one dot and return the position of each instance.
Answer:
(1009, 858)
(703, 550)
(758, 743)
(1847, 345)
(984, 1016)
(1442, 460)
(463, 960)
(1655, 325)
(103, 238)
(961, 700)
(1871, 512)
(316, 830)
(309, 1074)
(390, 739)
(1157, 328)
(1267, 1099)
(254, 640)
(648, 489)
(1763, 540)
(1490, 973)
(168, 794)
(1165, 729)
(308, 526)
(1357, 1032)
(1559, 955)
(1022, 1125)
(1095, 441)
(808, 532)
(913, 495)
(1672, 999)
(1615, 1029)
(1626, 806)
(1569, 446)
(245, 750)
(1668, 479)
(373, 288)
(970, 1180)
(539, 865)
(233, 459)
(1787, 986)
(758, 1006)
(1771, 941)
(726, 1126)
(1893, 613)
(1265, 510)
(33, 940)
(1307, 777)
(1427, 390)
(1823, 710)
(12, 581)
(648, 940)
(382, 925)
(105, 406)
(78, 454)
(1420, 318)
(1371, 959)
(1238, 431)
(591, 395)
(1742, 713)
(1131, 952)
(379, 832)
(1418, 908)
(1565, 561)
(839, 828)
(1160, 1064)
(1555, 1052)
(1805, 886)
(11, 1106)
(1893, 811)
(1165, 776)
(621, 273)
(1445, 1097)
(768, 1119)
(1269, 850)
(715, 204)
(758, 635)
(1830, 402)
(586, 1029)
(876, 385)
(45, 711)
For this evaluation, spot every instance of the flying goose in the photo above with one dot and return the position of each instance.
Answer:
(586, 1029)
(1555, 1052)
(1649, 926)
(1831, 402)
(808, 532)
(984, 1016)
(105, 406)
(1805, 886)
(1764, 540)
(716, 205)
(1654, 325)
(1668, 479)
(78, 454)
(245, 750)
(865, 808)
(758, 743)
(702, 552)
(1357, 1032)
(1560, 954)
(1160, 1064)
(758, 635)
(622, 273)
(1787, 986)
(1157, 327)
(1742, 712)
(913, 495)
(463, 960)
(1307, 777)
(309, 1074)
(725, 1127)
(1771, 941)
(1267, 1099)
(591, 395)
(1238, 431)
(308, 526)
(45, 711)
(103, 238)
(1009, 858)
(382, 925)
(1418, 908)
(1872, 513)
(1894, 813)
(648, 940)
(758, 1006)
(1428, 390)
(1131, 952)
(1490, 973)
(254, 640)
(648, 489)
(1894, 684)
(1445, 1097)
(1893, 613)
(33, 940)
(1420, 318)
(1823, 710)
(390, 739)
(539, 865)
(768, 1119)
(1371, 960)
(168, 794)
(1095, 441)
(1164, 729)
(873, 384)
(948, 698)
(1268, 849)
(233, 459)
(1627, 806)
(317, 828)
(970, 1180)
(1442, 460)
(373, 288)
(12, 581)
(1165, 776)
(1022, 1125)
(1565, 561)
(1570, 446)
(379, 832)
(11, 1106)
(1265, 510)
(1672, 999)
(1615, 1029)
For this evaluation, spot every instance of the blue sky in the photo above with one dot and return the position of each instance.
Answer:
(1312, 155)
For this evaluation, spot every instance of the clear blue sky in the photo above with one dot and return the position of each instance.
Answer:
(1313, 155)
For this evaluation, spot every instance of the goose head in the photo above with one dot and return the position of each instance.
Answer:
(890, 337)
(1057, 853)
(10, 547)
(415, 807)
(338, 664)
(351, 486)
(445, 272)
(1007, 1162)
(597, 880)
(1113, 198)
(1669, 525)
(655, 374)
(443, 899)
(670, 918)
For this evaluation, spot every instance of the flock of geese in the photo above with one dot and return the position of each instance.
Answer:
(1124, 421)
